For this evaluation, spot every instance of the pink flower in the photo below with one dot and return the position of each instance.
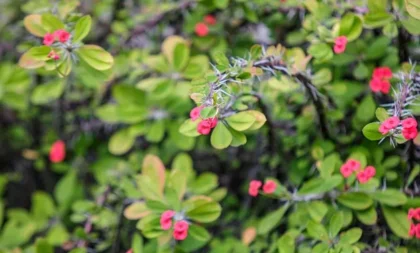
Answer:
(418, 231)
(362, 177)
(376, 84)
(62, 35)
(53, 55)
(204, 127)
(201, 29)
(409, 123)
(391, 122)
(386, 86)
(269, 187)
(409, 133)
(180, 230)
(213, 122)
(346, 170)
(412, 231)
(340, 44)
(58, 151)
(130, 251)
(370, 171)
(254, 186)
(210, 19)
(48, 39)
(166, 219)
(383, 130)
(195, 112)
(353, 164)
(382, 72)
(414, 213)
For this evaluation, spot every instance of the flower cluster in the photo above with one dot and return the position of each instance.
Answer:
(363, 175)
(380, 80)
(393, 124)
(58, 151)
(180, 228)
(60, 35)
(202, 29)
(268, 188)
(414, 215)
(340, 44)
(53, 55)
(206, 125)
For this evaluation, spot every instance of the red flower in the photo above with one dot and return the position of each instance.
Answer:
(254, 186)
(213, 122)
(62, 35)
(412, 231)
(414, 213)
(370, 171)
(340, 44)
(130, 251)
(48, 39)
(418, 231)
(346, 170)
(353, 164)
(180, 230)
(363, 177)
(383, 129)
(380, 80)
(269, 187)
(201, 29)
(409, 123)
(195, 112)
(392, 122)
(166, 219)
(58, 151)
(210, 19)
(204, 127)
(409, 133)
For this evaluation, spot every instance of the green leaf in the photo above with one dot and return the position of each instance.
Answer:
(336, 224)
(390, 30)
(355, 200)
(411, 25)
(181, 56)
(286, 244)
(378, 48)
(321, 52)
(377, 5)
(271, 220)
(366, 109)
(57, 235)
(390, 197)
(317, 231)
(198, 233)
(238, 138)
(121, 142)
(156, 131)
(351, 26)
(33, 24)
(136, 210)
(371, 131)
(329, 164)
(51, 23)
(323, 76)
(42, 205)
(197, 67)
(381, 114)
(220, 137)
(204, 183)
(397, 221)
(46, 93)
(320, 185)
(368, 216)
(208, 112)
(95, 56)
(42, 246)
(320, 248)
(189, 128)
(82, 28)
(377, 19)
(35, 57)
(413, 8)
(241, 121)
(202, 209)
(137, 243)
(351, 236)
(317, 210)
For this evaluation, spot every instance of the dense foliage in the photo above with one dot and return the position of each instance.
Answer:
(222, 126)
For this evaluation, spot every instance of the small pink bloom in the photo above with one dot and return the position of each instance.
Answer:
(353, 164)
(53, 55)
(339, 49)
(204, 127)
(392, 122)
(166, 219)
(346, 170)
(386, 86)
(409, 133)
(210, 19)
(409, 123)
(370, 171)
(375, 84)
(62, 35)
(180, 235)
(201, 29)
(383, 129)
(213, 122)
(382, 72)
(269, 187)
(58, 151)
(412, 231)
(340, 44)
(362, 177)
(414, 213)
(254, 186)
(195, 112)
(418, 231)
(48, 39)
